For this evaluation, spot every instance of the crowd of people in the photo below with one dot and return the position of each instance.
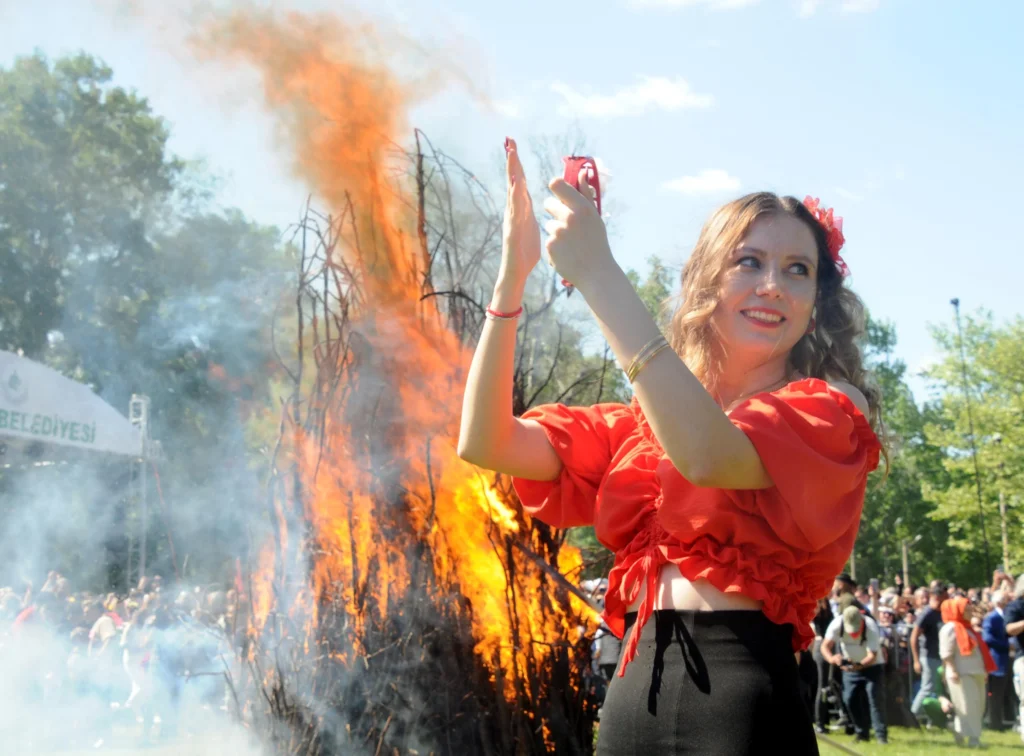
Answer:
(934, 656)
(85, 668)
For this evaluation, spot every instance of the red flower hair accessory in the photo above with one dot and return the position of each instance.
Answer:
(833, 229)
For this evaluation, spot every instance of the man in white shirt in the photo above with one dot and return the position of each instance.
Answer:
(859, 656)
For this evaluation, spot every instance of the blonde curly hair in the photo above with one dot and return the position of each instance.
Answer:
(830, 352)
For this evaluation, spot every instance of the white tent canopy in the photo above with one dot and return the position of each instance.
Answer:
(45, 416)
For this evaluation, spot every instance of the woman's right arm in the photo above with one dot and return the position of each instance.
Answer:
(490, 436)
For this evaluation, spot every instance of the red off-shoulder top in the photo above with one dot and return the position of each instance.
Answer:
(782, 546)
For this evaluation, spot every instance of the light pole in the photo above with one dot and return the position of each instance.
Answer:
(970, 427)
(998, 439)
(906, 557)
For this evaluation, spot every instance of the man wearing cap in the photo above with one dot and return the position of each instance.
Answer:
(924, 645)
(859, 656)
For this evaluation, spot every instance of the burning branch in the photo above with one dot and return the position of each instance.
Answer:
(406, 601)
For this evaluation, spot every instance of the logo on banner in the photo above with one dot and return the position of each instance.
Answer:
(13, 387)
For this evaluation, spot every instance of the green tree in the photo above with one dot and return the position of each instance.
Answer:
(994, 356)
(895, 510)
(655, 289)
(117, 272)
(83, 172)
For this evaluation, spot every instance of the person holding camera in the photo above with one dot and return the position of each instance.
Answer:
(730, 487)
(853, 643)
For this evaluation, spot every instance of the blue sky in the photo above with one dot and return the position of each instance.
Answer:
(906, 115)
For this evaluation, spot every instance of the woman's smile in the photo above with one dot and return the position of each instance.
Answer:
(763, 317)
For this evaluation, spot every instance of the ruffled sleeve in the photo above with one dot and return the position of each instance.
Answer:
(585, 439)
(818, 449)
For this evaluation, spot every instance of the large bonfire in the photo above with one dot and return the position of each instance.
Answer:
(405, 603)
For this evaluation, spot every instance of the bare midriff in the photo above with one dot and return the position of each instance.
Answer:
(678, 593)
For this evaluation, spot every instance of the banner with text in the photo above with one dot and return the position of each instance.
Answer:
(38, 403)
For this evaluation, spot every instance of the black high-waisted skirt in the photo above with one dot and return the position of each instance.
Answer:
(722, 683)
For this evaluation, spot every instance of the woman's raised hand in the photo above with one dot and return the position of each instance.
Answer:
(521, 238)
(577, 238)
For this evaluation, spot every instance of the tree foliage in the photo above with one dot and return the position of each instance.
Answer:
(83, 171)
(895, 509)
(994, 381)
(116, 273)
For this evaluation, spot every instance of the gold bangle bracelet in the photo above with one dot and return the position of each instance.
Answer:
(644, 356)
(642, 363)
(641, 356)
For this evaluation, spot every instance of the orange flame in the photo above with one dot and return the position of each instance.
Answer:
(341, 112)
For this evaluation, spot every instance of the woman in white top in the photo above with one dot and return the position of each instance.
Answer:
(967, 662)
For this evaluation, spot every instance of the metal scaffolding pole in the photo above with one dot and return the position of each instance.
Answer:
(138, 415)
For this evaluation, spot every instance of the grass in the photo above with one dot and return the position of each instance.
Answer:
(907, 742)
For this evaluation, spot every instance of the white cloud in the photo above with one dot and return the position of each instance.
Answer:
(847, 194)
(649, 93)
(860, 6)
(673, 4)
(808, 8)
(713, 181)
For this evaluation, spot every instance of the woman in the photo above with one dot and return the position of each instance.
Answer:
(730, 488)
(967, 661)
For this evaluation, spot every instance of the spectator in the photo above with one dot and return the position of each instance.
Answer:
(860, 659)
(887, 631)
(845, 585)
(939, 709)
(103, 631)
(978, 612)
(903, 607)
(606, 652)
(994, 634)
(924, 645)
(1013, 617)
(920, 598)
(1001, 580)
(863, 597)
(967, 661)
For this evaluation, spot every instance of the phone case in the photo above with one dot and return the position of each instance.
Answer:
(577, 164)
(574, 166)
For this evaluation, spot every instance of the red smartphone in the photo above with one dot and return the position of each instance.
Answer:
(577, 164)
(574, 166)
